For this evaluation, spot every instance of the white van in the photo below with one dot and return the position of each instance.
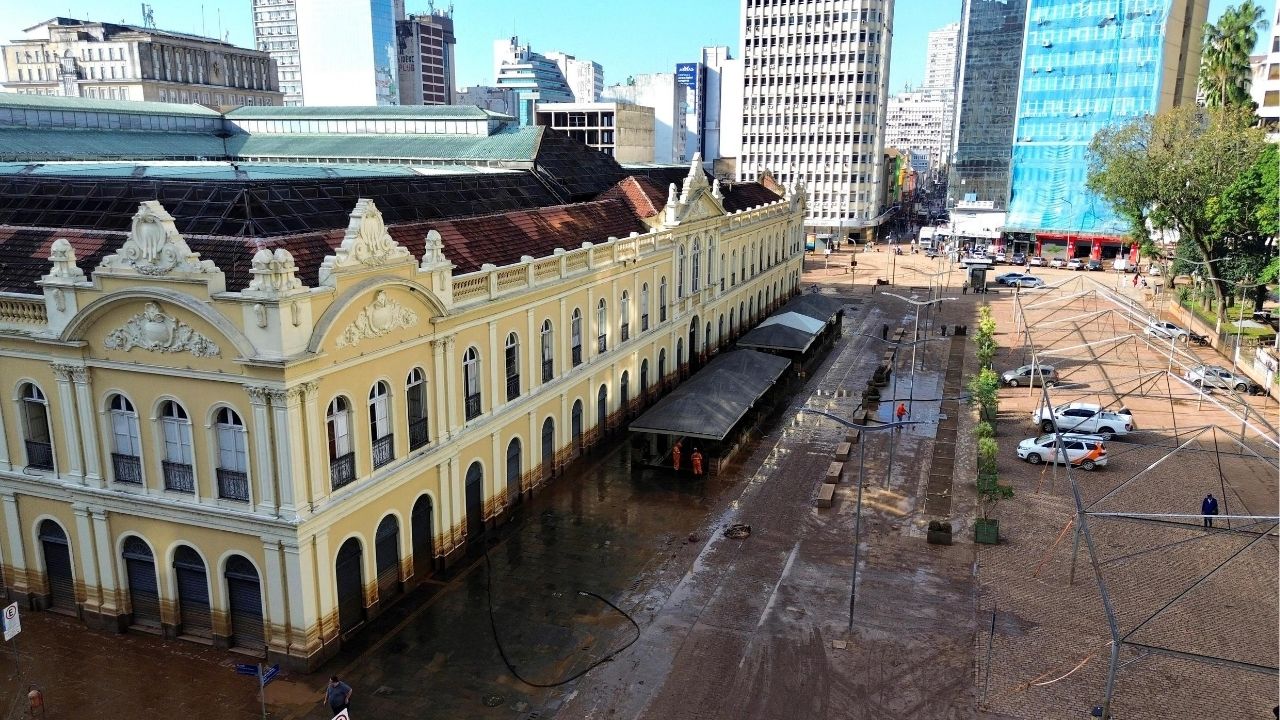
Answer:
(1121, 265)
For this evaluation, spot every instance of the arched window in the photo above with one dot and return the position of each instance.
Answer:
(471, 382)
(35, 428)
(624, 390)
(680, 272)
(733, 270)
(695, 279)
(548, 352)
(602, 326)
(177, 461)
(624, 317)
(415, 392)
(753, 259)
(126, 441)
(711, 253)
(342, 459)
(512, 359)
(762, 256)
(722, 264)
(380, 432)
(662, 300)
(575, 333)
(644, 307)
(233, 456)
(602, 407)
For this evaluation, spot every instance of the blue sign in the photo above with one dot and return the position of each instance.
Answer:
(250, 670)
(270, 674)
(687, 74)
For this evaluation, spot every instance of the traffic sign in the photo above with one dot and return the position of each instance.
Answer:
(270, 674)
(12, 623)
(344, 715)
(244, 669)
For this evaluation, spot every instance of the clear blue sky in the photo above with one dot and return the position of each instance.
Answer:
(625, 37)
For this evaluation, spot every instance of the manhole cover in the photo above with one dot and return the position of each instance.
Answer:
(493, 700)
(383, 691)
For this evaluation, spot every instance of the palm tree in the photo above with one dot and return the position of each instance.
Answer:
(1225, 72)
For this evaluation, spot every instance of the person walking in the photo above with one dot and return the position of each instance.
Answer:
(676, 453)
(964, 287)
(337, 694)
(901, 412)
(695, 460)
(1209, 508)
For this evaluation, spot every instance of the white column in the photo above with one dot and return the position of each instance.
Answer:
(439, 397)
(452, 401)
(88, 558)
(4, 444)
(275, 590)
(311, 424)
(88, 426)
(292, 430)
(106, 562)
(589, 331)
(67, 411)
(322, 572)
(533, 354)
(13, 529)
(444, 506)
(530, 462)
(303, 600)
(498, 484)
(563, 361)
(264, 441)
(497, 394)
(457, 496)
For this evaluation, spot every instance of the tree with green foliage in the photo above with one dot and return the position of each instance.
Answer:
(984, 389)
(990, 491)
(985, 339)
(1202, 173)
(1225, 70)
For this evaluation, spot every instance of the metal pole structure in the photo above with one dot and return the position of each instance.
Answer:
(262, 690)
(918, 304)
(1075, 550)
(857, 530)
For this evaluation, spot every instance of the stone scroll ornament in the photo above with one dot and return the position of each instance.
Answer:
(154, 246)
(155, 331)
(377, 319)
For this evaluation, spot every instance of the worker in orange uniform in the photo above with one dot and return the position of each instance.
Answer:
(696, 460)
(675, 457)
(901, 411)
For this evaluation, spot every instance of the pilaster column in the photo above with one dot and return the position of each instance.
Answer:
(322, 570)
(439, 395)
(311, 424)
(88, 426)
(533, 354)
(535, 441)
(70, 428)
(106, 562)
(589, 330)
(264, 440)
(85, 548)
(453, 402)
(563, 361)
(303, 602)
(4, 444)
(13, 531)
(276, 591)
(291, 433)
(497, 376)
(457, 496)
(444, 505)
(497, 486)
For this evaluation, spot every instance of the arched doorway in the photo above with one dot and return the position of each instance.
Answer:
(514, 470)
(140, 569)
(244, 601)
(679, 352)
(575, 425)
(624, 390)
(662, 364)
(57, 566)
(386, 556)
(693, 342)
(350, 577)
(706, 339)
(602, 407)
(421, 524)
(193, 593)
(548, 447)
(644, 377)
(475, 500)
(720, 339)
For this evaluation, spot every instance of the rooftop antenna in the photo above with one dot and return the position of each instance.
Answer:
(148, 16)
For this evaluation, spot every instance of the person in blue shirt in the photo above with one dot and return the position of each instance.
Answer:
(337, 694)
(1208, 509)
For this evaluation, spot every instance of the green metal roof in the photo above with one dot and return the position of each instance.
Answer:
(59, 144)
(509, 143)
(361, 112)
(131, 107)
(223, 170)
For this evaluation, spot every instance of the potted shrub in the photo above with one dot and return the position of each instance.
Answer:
(984, 389)
(939, 533)
(986, 529)
(985, 339)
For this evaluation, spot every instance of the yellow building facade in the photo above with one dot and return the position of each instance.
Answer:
(269, 468)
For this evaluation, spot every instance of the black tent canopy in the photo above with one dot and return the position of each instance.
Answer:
(713, 401)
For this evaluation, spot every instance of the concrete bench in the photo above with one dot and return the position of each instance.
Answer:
(826, 494)
(852, 437)
(842, 451)
(833, 472)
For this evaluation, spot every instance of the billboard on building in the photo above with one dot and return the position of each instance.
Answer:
(687, 74)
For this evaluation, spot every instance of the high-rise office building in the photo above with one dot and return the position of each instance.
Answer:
(1086, 67)
(82, 58)
(814, 90)
(669, 100)
(987, 95)
(426, 68)
(1266, 78)
(347, 48)
(718, 135)
(916, 121)
(584, 77)
(533, 77)
(941, 57)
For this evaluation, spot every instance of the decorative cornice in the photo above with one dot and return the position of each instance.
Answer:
(365, 244)
(377, 319)
(258, 394)
(155, 248)
(153, 330)
(68, 371)
(274, 275)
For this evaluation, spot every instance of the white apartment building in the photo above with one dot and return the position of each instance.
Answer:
(347, 49)
(585, 78)
(669, 101)
(816, 78)
(917, 121)
(941, 58)
(1265, 88)
(719, 138)
(617, 129)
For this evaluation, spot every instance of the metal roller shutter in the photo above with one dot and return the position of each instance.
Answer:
(193, 599)
(144, 595)
(62, 586)
(350, 586)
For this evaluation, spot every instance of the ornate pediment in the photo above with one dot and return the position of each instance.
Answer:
(366, 244)
(376, 319)
(153, 330)
(64, 270)
(155, 248)
(274, 275)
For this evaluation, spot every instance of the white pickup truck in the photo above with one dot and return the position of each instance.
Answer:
(1080, 417)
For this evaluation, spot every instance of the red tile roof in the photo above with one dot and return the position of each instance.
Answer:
(644, 196)
(744, 195)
